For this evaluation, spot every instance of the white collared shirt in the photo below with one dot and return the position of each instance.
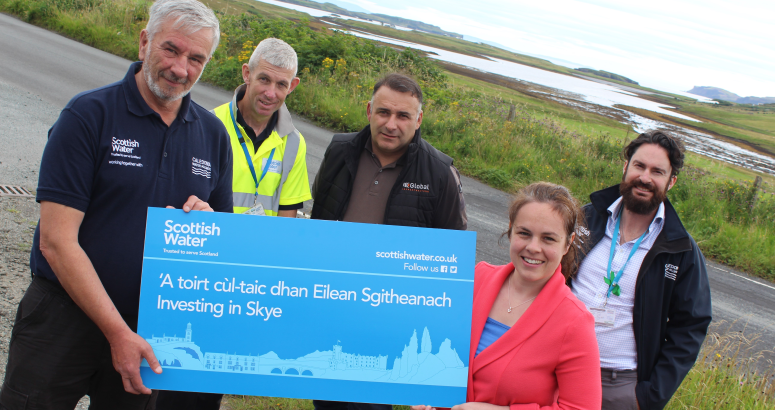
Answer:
(617, 343)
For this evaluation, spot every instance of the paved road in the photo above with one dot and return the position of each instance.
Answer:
(41, 71)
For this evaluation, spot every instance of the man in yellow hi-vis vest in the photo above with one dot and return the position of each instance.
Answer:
(270, 168)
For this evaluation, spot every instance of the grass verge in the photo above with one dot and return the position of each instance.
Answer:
(727, 375)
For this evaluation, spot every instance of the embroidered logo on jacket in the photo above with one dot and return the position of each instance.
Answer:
(671, 271)
(580, 231)
(415, 187)
(200, 167)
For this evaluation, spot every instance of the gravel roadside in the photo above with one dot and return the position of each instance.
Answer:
(26, 119)
(18, 218)
(25, 122)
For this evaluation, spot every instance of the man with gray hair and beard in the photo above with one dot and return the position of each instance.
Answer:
(114, 152)
(270, 168)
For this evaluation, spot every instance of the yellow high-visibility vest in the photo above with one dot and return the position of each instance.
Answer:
(286, 181)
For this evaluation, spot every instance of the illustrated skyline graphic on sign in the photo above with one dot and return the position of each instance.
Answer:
(416, 364)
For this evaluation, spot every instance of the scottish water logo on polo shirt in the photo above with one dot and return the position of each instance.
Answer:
(124, 152)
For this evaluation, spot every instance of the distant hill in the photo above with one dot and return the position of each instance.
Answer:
(724, 95)
(382, 18)
(756, 100)
(606, 74)
(349, 6)
(715, 93)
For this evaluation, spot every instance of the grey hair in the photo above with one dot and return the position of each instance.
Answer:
(188, 16)
(275, 52)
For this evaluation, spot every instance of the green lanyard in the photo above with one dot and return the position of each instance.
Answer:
(611, 278)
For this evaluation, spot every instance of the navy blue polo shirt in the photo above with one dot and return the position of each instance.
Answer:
(111, 156)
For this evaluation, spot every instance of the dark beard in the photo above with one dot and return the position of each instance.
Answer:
(637, 205)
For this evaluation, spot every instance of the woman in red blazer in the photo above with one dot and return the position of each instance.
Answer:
(533, 343)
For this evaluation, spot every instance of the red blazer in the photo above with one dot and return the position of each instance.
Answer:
(549, 359)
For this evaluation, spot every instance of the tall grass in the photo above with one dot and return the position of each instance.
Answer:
(338, 71)
(111, 26)
(727, 375)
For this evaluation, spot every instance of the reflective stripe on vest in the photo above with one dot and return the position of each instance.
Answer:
(244, 196)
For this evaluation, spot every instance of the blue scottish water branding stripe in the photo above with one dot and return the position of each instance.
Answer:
(307, 309)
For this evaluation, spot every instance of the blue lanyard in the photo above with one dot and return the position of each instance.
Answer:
(610, 279)
(247, 154)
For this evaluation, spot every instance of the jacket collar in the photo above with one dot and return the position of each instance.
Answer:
(353, 151)
(136, 103)
(414, 146)
(672, 230)
(533, 319)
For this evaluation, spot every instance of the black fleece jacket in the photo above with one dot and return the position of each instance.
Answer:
(434, 205)
(672, 308)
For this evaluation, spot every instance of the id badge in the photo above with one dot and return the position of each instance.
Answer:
(604, 316)
(257, 209)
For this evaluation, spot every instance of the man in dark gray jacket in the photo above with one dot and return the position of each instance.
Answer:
(643, 279)
(387, 174)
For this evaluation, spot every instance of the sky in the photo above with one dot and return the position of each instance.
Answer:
(670, 45)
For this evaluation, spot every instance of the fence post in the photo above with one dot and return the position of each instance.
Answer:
(757, 184)
(512, 113)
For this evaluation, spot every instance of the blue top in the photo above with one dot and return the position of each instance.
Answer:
(493, 330)
(111, 156)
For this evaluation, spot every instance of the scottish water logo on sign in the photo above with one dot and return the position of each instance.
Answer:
(325, 310)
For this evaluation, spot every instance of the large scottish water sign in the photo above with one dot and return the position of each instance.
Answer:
(307, 309)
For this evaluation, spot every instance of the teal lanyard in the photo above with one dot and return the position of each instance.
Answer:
(247, 154)
(611, 279)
